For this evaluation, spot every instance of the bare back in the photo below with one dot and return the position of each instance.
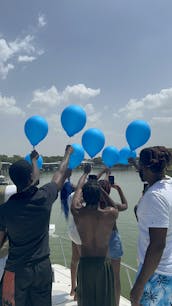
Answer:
(94, 227)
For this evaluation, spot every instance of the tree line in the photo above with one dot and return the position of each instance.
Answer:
(51, 159)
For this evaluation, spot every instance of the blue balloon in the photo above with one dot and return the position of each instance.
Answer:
(124, 154)
(93, 141)
(133, 154)
(39, 161)
(36, 129)
(137, 133)
(76, 157)
(123, 161)
(110, 156)
(73, 119)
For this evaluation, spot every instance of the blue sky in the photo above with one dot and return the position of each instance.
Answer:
(111, 57)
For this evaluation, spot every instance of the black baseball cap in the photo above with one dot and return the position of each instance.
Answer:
(20, 173)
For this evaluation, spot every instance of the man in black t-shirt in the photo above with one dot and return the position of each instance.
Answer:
(28, 277)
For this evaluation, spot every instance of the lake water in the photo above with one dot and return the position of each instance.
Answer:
(132, 187)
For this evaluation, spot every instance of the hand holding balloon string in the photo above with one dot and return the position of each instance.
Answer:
(87, 168)
(69, 148)
(34, 155)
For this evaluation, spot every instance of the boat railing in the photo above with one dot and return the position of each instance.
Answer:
(61, 239)
(127, 268)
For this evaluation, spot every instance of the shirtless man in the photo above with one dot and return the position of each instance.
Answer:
(95, 274)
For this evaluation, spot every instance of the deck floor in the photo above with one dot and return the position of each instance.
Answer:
(61, 288)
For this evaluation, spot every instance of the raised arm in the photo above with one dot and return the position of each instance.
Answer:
(124, 204)
(61, 174)
(76, 201)
(107, 199)
(105, 170)
(36, 173)
(107, 174)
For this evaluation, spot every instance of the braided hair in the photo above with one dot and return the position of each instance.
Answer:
(157, 158)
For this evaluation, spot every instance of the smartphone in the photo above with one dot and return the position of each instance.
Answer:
(111, 179)
(92, 177)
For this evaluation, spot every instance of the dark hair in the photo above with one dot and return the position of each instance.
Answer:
(20, 173)
(156, 158)
(91, 193)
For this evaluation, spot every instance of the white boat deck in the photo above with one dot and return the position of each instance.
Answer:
(61, 288)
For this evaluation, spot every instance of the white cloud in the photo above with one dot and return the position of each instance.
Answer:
(160, 102)
(5, 51)
(8, 106)
(47, 98)
(79, 91)
(94, 118)
(133, 109)
(52, 97)
(89, 108)
(54, 122)
(20, 45)
(5, 54)
(26, 58)
(92, 114)
(41, 21)
(4, 70)
(10, 50)
(162, 120)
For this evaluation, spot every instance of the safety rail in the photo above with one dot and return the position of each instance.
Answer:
(128, 269)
